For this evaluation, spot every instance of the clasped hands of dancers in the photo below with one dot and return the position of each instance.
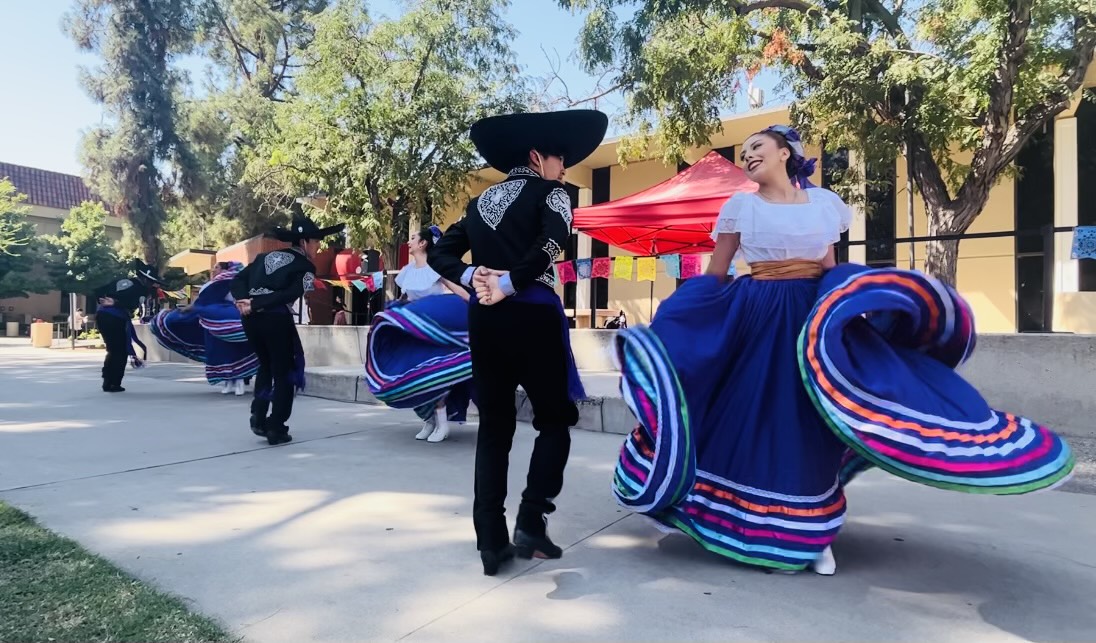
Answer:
(485, 281)
(758, 399)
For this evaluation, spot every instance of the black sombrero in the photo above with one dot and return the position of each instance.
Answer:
(504, 141)
(146, 271)
(305, 228)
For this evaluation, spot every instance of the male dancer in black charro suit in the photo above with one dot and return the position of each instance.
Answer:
(264, 291)
(518, 334)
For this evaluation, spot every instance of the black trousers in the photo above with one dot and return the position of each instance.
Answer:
(512, 344)
(273, 337)
(116, 337)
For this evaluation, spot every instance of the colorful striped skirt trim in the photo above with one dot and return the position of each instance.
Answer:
(413, 360)
(919, 329)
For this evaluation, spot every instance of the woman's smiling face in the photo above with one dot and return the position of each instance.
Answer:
(763, 158)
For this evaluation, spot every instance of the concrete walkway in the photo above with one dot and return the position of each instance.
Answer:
(356, 531)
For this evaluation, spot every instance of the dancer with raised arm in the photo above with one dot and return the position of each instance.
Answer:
(759, 399)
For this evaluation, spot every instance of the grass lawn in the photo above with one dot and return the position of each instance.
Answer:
(51, 589)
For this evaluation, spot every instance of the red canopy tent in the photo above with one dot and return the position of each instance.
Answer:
(673, 217)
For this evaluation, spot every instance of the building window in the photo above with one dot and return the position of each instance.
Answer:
(570, 253)
(599, 288)
(834, 165)
(880, 228)
(727, 153)
(1086, 180)
(1034, 209)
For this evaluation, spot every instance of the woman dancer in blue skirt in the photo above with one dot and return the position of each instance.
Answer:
(417, 352)
(759, 399)
(209, 331)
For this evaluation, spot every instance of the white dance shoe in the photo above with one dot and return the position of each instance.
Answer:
(428, 427)
(441, 423)
(825, 564)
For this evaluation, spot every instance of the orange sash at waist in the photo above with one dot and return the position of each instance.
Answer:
(789, 269)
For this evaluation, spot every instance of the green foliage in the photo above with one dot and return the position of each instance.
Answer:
(81, 258)
(91, 333)
(15, 232)
(962, 83)
(380, 119)
(17, 245)
(253, 49)
(137, 160)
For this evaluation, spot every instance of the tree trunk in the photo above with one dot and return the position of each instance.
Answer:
(942, 257)
(400, 235)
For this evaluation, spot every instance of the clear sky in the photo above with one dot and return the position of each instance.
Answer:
(44, 110)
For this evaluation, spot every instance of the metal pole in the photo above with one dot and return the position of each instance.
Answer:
(72, 316)
(651, 302)
(909, 204)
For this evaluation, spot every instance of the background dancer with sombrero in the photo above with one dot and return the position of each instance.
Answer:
(118, 300)
(518, 334)
(264, 292)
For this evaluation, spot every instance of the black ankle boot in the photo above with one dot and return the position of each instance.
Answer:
(258, 427)
(530, 545)
(493, 560)
(278, 435)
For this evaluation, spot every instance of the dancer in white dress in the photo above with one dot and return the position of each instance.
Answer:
(418, 280)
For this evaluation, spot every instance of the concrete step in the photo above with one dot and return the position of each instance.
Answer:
(604, 411)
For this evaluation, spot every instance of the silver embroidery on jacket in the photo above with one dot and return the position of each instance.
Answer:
(552, 249)
(276, 260)
(560, 203)
(254, 292)
(309, 282)
(521, 170)
(495, 200)
(123, 284)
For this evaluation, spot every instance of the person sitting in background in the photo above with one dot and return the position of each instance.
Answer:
(341, 317)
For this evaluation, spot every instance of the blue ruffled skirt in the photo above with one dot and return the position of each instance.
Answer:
(759, 400)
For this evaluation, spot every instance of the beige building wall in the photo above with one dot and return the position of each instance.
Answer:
(986, 270)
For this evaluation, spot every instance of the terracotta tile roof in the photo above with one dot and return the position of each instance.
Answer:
(47, 189)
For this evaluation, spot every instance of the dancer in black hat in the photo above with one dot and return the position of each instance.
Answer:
(118, 300)
(518, 334)
(264, 291)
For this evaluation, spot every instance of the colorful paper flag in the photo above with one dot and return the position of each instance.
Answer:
(378, 280)
(369, 284)
(690, 266)
(603, 267)
(584, 268)
(646, 268)
(566, 272)
(1084, 243)
(360, 284)
(673, 266)
(555, 274)
(622, 267)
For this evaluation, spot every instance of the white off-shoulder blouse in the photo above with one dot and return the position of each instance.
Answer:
(783, 231)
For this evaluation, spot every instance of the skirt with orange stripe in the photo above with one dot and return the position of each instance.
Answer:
(759, 400)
